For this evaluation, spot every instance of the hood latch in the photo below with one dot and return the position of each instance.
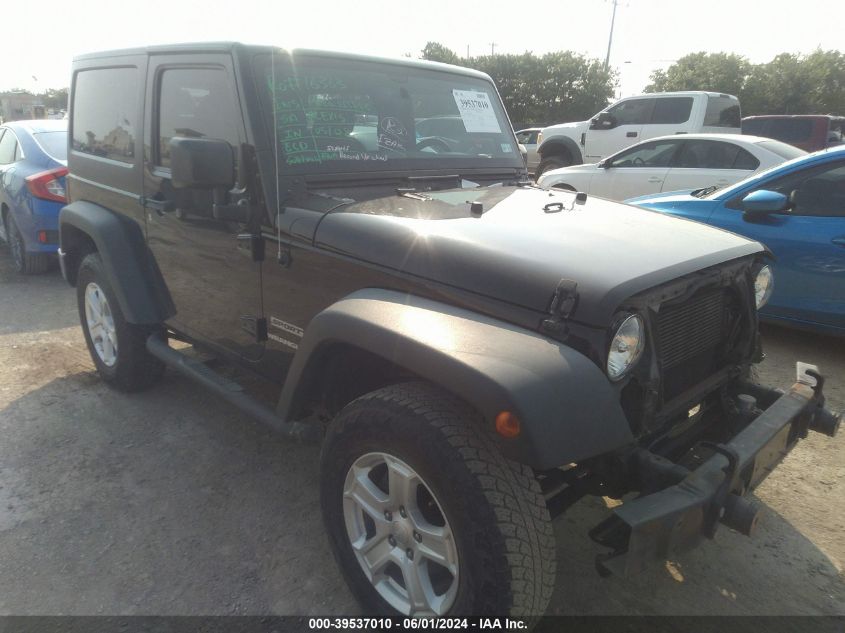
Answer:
(563, 304)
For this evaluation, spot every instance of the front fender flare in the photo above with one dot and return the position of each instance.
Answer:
(555, 144)
(133, 274)
(568, 409)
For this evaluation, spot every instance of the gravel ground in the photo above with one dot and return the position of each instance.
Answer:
(172, 502)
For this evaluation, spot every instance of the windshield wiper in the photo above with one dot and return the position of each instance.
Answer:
(706, 191)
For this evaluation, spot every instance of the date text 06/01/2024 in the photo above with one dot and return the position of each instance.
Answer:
(406, 624)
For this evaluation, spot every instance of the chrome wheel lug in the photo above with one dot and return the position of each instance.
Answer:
(388, 516)
(418, 537)
(392, 540)
(409, 553)
(402, 512)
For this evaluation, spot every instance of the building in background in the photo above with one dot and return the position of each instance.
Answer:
(16, 106)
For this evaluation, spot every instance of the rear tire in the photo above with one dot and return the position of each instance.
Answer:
(485, 513)
(552, 162)
(25, 263)
(118, 348)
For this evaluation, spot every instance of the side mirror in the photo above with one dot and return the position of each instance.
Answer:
(763, 202)
(201, 163)
(603, 121)
(524, 151)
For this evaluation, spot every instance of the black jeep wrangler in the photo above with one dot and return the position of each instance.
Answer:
(474, 353)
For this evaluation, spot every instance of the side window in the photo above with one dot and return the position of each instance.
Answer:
(655, 154)
(791, 130)
(672, 110)
(815, 192)
(714, 155)
(8, 145)
(195, 103)
(105, 109)
(836, 132)
(722, 111)
(632, 111)
(744, 160)
(527, 138)
(754, 127)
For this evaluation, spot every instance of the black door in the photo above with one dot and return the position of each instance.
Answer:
(212, 279)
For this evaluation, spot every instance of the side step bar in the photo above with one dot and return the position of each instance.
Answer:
(230, 391)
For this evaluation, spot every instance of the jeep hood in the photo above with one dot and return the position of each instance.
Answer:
(525, 241)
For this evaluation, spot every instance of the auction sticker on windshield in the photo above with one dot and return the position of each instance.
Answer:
(476, 111)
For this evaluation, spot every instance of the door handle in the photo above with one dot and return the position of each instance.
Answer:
(839, 241)
(159, 206)
(655, 179)
(631, 135)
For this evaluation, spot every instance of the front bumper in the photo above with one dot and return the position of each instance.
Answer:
(654, 526)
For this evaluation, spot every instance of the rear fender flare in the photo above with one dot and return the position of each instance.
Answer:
(132, 272)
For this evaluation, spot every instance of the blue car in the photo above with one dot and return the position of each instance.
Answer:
(797, 209)
(33, 165)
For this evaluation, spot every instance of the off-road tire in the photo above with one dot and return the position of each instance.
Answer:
(25, 263)
(501, 525)
(135, 369)
(552, 162)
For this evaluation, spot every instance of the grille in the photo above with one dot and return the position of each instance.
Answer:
(689, 335)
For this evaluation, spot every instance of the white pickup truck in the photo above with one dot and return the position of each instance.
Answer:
(634, 119)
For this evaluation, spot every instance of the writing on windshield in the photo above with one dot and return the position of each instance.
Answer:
(328, 111)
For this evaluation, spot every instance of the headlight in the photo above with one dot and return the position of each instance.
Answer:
(763, 286)
(626, 346)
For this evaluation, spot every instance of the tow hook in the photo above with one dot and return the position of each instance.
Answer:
(822, 420)
(718, 510)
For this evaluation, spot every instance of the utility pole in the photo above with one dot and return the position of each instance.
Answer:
(467, 51)
(492, 48)
(610, 39)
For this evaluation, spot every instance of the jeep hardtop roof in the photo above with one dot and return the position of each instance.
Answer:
(246, 49)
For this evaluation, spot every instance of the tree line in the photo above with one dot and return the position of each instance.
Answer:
(565, 86)
(559, 86)
(789, 84)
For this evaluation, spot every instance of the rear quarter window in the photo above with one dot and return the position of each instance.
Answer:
(105, 104)
(54, 144)
(722, 111)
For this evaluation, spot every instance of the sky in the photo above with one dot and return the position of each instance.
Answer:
(39, 44)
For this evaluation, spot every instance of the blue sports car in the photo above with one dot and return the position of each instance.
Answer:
(33, 165)
(797, 209)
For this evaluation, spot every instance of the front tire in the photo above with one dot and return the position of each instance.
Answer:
(118, 348)
(426, 516)
(552, 162)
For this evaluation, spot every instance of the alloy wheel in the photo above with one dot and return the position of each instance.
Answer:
(400, 535)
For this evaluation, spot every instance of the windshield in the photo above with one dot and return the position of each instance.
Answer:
(332, 114)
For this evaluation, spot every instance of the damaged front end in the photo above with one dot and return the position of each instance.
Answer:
(683, 502)
(705, 433)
